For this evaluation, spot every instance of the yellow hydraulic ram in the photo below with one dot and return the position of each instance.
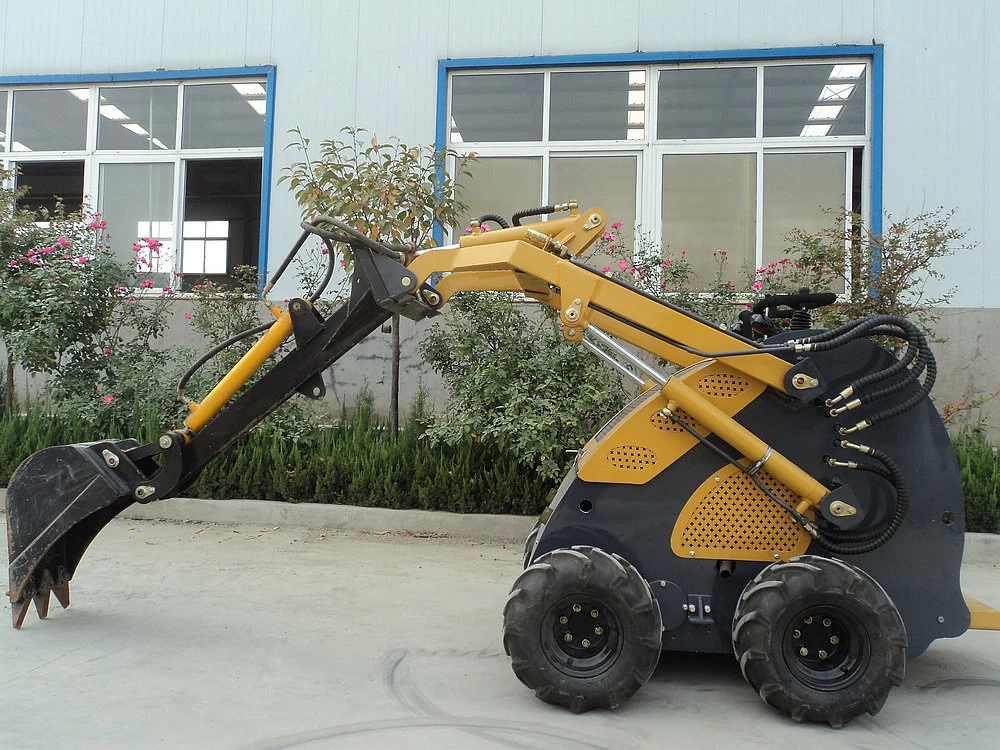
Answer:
(242, 371)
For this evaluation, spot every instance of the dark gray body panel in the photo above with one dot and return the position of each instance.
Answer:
(919, 567)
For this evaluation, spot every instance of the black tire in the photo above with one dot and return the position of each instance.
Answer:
(610, 617)
(529, 543)
(819, 639)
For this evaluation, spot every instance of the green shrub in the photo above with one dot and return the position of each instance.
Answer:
(979, 465)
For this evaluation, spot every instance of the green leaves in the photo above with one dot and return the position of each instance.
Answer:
(390, 191)
(512, 382)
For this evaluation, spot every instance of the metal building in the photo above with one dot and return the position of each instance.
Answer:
(710, 124)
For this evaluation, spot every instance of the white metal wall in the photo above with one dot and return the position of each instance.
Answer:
(355, 62)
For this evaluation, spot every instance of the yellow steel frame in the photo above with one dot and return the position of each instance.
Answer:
(536, 260)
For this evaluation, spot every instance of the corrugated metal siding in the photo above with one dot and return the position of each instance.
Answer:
(346, 62)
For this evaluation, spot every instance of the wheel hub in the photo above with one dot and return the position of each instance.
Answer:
(583, 637)
(826, 648)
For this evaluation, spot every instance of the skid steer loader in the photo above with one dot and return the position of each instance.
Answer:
(788, 497)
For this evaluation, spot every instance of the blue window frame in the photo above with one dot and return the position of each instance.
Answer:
(257, 85)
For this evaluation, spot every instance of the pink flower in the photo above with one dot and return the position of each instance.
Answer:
(188, 316)
(96, 214)
(623, 264)
(13, 264)
(325, 250)
(468, 230)
(97, 224)
(167, 290)
(66, 256)
(756, 286)
(178, 275)
(616, 225)
(107, 350)
(82, 260)
(154, 245)
(197, 286)
(485, 228)
(608, 236)
(63, 242)
(146, 284)
(606, 269)
(612, 248)
(108, 399)
(47, 250)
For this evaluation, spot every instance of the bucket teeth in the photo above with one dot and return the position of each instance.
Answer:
(41, 600)
(61, 590)
(18, 610)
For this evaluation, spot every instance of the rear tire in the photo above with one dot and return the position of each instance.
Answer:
(582, 629)
(819, 639)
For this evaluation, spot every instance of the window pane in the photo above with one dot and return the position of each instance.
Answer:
(51, 182)
(3, 119)
(222, 204)
(502, 186)
(801, 191)
(709, 204)
(224, 115)
(814, 100)
(137, 197)
(50, 120)
(137, 117)
(604, 181)
(707, 103)
(598, 106)
(496, 107)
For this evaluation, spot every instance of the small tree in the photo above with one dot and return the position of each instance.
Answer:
(390, 191)
(886, 272)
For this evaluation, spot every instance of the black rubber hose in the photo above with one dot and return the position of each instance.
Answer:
(214, 351)
(911, 377)
(854, 543)
(911, 402)
(516, 218)
(495, 218)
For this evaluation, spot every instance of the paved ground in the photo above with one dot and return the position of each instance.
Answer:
(193, 636)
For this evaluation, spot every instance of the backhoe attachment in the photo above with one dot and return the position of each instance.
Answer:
(60, 498)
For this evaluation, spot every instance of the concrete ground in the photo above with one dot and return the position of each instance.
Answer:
(243, 636)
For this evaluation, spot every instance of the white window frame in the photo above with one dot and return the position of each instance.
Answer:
(651, 150)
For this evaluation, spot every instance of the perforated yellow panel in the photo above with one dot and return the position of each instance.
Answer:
(728, 518)
(665, 423)
(633, 457)
(722, 384)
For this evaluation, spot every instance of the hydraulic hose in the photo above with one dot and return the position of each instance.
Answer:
(516, 218)
(495, 218)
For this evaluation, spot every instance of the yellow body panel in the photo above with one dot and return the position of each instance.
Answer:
(728, 518)
(984, 617)
(645, 443)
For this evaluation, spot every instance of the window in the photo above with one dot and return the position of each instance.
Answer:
(170, 160)
(697, 156)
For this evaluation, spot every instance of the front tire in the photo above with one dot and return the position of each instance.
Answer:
(582, 629)
(819, 639)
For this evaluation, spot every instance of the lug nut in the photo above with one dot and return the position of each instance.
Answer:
(585, 643)
(808, 621)
(598, 631)
(827, 622)
(563, 620)
(796, 634)
(823, 654)
(594, 613)
(568, 637)
(577, 607)
(803, 651)
(834, 640)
